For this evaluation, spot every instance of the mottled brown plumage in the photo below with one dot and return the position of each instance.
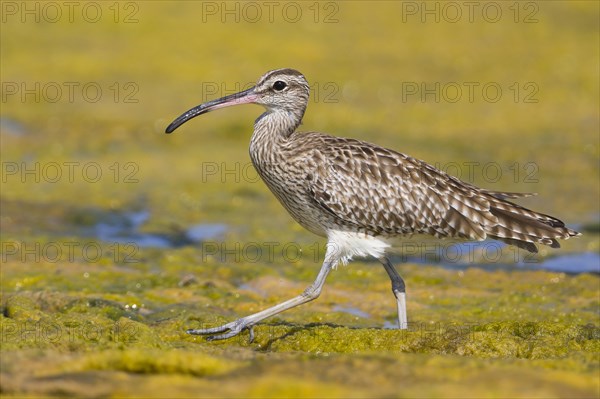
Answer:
(351, 185)
(361, 196)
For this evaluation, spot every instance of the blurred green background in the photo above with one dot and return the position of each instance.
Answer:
(89, 87)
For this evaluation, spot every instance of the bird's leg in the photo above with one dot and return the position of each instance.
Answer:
(399, 290)
(235, 327)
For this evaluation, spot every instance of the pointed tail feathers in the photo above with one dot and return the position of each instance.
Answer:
(524, 228)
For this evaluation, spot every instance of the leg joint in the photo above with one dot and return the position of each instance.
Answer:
(312, 292)
(398, 285)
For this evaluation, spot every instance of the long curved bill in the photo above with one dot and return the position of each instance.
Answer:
(244, 97)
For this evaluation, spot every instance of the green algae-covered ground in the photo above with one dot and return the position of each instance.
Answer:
(86, 316)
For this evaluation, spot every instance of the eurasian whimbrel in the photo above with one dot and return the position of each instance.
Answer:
(362, 196)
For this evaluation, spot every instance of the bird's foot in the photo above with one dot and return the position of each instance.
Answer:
(228, 330)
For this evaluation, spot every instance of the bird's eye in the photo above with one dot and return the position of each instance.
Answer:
(279, 85)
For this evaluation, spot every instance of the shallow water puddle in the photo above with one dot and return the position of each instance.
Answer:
(124, 228)
(586, 262)
(351, 310)
(496, 255)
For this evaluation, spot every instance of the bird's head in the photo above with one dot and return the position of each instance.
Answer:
(281, 90)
